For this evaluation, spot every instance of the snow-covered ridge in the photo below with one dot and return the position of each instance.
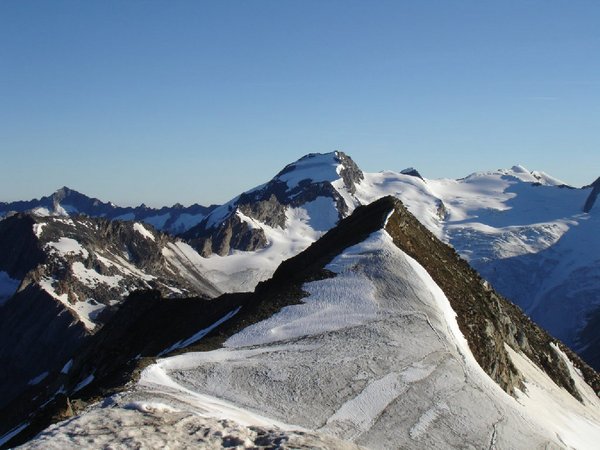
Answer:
(492, 218)
(373, 355)
(380, 296)
(143, 231)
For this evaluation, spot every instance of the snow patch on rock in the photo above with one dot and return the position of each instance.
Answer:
(92, 279)
(38, 229)
(143, 231)
(67, 246)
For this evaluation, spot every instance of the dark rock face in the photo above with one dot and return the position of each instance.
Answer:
(109, 249)
(590, 337)
(591, 200)
(70, 202)
(269, 211)
(268, 205)
(19, 248)
(37, 334)
(412, 172)
(442, 212)
(232, 234)
(351, 173)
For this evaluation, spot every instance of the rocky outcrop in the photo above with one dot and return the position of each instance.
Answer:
(351, 173)
(412, 172)
(233, 233)
(38, 334)
(269, 211)
(19, 247)
(591, 200)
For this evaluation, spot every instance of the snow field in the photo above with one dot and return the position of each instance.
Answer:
(66, 246)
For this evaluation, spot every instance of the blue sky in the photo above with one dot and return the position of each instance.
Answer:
(195, 101)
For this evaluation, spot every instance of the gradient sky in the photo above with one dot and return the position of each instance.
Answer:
(196, 101)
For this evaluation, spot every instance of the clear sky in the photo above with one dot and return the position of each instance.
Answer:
(196, 101)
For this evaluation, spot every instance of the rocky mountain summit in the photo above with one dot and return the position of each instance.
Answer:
(425, 354)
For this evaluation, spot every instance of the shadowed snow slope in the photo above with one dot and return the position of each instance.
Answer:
(397, 343)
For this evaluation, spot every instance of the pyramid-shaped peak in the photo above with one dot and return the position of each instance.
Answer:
(65, 192)
(412, 172)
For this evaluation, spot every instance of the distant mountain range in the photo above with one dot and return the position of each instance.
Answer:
(75, 274)
(67, 202)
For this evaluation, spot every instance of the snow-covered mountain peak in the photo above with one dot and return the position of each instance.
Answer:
(313, 168)
(320, 167)
(323, 186)
(518, 168)
(64, 192)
